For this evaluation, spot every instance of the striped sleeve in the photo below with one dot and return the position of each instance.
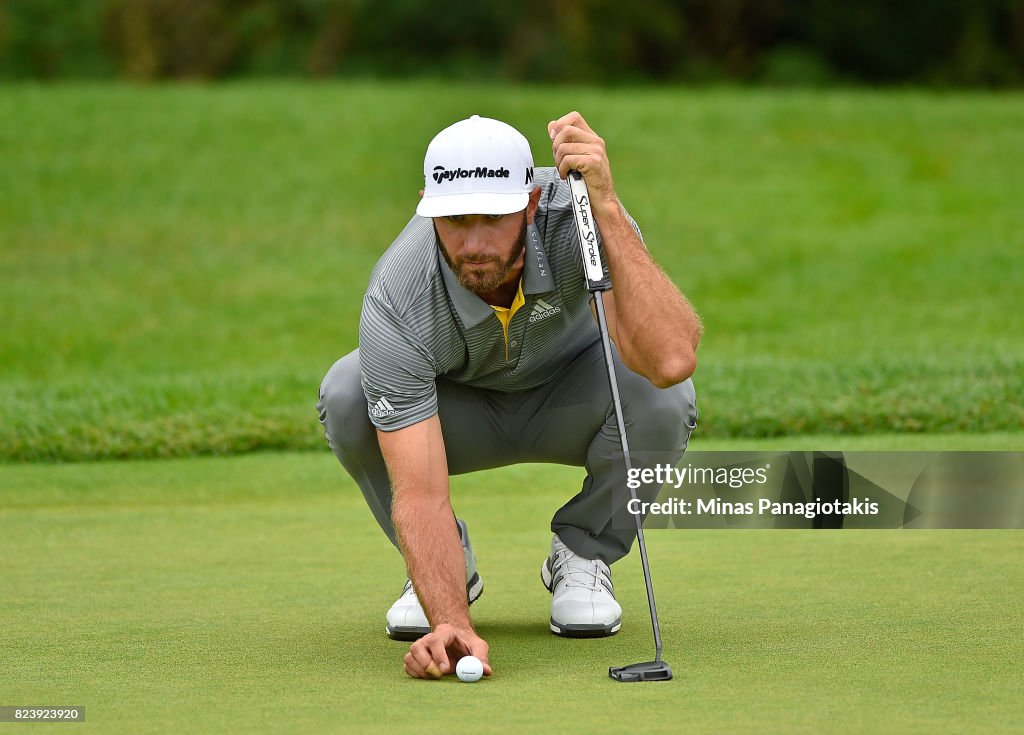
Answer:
(636, 227)
(398, 372)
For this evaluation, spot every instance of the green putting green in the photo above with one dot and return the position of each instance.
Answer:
(248, 593)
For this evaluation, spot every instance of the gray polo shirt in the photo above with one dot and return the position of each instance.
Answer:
(419, 323)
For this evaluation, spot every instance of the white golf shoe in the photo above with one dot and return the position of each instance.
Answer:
(582, 596)
(406, 620)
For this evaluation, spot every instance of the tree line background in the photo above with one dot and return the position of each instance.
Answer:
(920, 42)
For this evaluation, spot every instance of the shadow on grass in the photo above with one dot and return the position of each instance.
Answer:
(519, 629)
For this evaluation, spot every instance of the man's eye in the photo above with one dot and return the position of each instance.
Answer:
(495, 216)
(456, 217)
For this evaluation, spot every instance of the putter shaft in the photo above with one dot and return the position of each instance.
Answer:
(602, 324)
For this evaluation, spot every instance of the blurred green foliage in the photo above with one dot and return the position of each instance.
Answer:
(932, 42)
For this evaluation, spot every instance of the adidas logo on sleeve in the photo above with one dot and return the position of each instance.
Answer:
(542, 310)
(383, 408)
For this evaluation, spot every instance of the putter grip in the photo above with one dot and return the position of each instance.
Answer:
(586, 228)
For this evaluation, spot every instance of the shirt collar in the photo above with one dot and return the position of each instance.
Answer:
(537, 278)
(471, 308)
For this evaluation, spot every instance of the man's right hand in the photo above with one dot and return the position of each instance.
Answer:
(437, 653)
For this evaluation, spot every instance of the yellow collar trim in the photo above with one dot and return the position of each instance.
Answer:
(505, 315)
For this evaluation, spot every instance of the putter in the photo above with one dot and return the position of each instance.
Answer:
(656, 670)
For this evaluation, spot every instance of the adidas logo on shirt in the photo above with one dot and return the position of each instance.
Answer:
(542, 310)
(383, 408)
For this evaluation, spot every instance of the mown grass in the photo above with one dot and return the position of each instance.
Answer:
(169, 416)
(248, 594)
(181, 265)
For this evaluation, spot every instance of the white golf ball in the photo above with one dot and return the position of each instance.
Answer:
(469, 668)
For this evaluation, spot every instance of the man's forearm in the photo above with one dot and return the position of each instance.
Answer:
(434, 557)
(423, 518)
(656, 329)
(651, 323)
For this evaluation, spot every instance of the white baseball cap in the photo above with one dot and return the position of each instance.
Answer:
(476, 166)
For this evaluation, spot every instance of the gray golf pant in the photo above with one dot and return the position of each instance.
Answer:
(568, 420)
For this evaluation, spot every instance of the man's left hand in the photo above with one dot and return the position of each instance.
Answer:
(577, 147)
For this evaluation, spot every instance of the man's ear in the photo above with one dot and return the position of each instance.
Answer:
(531, 207)
(421, 193)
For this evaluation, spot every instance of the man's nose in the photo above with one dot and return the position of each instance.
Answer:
(478, 238)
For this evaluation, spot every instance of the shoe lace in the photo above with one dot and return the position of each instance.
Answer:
(582, 573)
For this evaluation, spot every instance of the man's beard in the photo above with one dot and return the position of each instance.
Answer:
(481, 281)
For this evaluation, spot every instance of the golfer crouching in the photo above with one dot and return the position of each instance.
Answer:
(478, 348)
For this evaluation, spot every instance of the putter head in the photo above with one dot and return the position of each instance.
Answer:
(647, 671)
